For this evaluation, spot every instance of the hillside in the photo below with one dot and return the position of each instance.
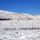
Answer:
(19, 20)
(15, 26)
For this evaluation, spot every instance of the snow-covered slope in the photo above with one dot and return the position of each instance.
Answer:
(18, 20)
(7, 14)
(21, 23)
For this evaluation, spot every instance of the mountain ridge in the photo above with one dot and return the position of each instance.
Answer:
(11, 15)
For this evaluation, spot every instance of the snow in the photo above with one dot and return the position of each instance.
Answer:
(18, 21)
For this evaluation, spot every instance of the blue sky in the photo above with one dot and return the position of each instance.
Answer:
(21, 6)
